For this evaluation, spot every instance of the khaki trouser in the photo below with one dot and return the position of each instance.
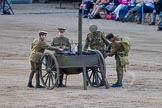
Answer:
(34, 69)
(119, 70)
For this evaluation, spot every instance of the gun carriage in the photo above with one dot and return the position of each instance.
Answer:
(91, 64)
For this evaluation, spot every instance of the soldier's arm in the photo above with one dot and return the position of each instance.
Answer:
(113, 50)
(46, 46)
(67, 47)
(105, 40)
(86, 43)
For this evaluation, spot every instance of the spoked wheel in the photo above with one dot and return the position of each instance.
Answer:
(96, 76)
(49, 70)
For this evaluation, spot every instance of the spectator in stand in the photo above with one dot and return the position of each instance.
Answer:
(111, 6)
(125, 9)
(87, 5)
(98, 6)
(157, 10)
(130, 16)
(148, 7)
(122, 3)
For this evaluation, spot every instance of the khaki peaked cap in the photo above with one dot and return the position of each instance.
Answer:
(42, 32)
(61, 30)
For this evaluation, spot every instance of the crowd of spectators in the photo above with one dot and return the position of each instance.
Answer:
(122, 10)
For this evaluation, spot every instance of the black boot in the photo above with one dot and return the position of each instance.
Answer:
(61, 84)
(39, 86)
(30, 85)
(152, 23)
(61, 81)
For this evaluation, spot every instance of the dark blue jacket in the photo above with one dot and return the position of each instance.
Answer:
(116, 3)
(158, 6)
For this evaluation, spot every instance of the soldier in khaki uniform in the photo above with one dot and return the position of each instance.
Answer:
(61, 42)
(96, 40)
(37, 49)
(115, 48)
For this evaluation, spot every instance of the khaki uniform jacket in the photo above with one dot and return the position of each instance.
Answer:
(37, 49)
(61, 41)
(116, 47)
(96, 41)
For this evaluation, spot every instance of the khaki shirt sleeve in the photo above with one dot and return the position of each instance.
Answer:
(67, 47)
(87, 41)
(105, 40)
(46, 46)
(114, 48)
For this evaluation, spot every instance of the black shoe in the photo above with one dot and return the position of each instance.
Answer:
(152, 23)
(61, 85)
(117, 19)
(39, 86)
(123, 20)
(30, 85)
(117, 84)
(102, 83)
(6, 12)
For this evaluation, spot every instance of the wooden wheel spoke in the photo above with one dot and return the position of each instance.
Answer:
(99, 77)
(49, 80)
(46, 80)
(90, 76)
(49, 61)
(45, 75)
(52, 66)
(52, 77)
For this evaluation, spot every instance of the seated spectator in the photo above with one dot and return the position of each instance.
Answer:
(125, 9)
(158, 8)
(122, 3)
(111, 6)
(130, 16)
(98, 6)
(87, 5)
(148, 7)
